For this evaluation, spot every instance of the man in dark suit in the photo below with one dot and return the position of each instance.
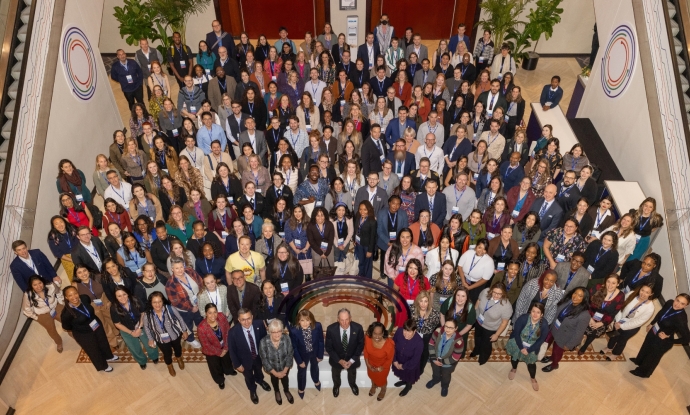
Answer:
(368, 52)
(425, 75)
(388, 223)
(395, 129)
(344, 345)
(549, 211)
(433, 201)
(380, 83)
(218, 38)
(567, 194)
(235, 125)
(373, 193)
(373, 152)
(511, 172)
(403, 161)
(274, 134)
(29, 263)
(160, 248)
(241, 294)
(551, 94)
(493, 98)
(243, 346)
(420, 177)
(90, 252)
(253, 198)
(416, 47)
(256, 138)
(345, 64)
(229, 65)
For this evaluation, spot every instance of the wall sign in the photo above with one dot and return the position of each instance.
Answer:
(618, 61)
(79, 63)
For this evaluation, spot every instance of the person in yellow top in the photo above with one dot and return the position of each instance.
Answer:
(248, 261)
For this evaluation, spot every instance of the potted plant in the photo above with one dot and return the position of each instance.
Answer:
(540, 21)
(502, 17)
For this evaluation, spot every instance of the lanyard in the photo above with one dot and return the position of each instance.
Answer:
(394, 219)
(85, 312)
(129, 310)
(217, 297)
(607, 301)
(167, 249)
(600, 254)
(642, 225)
(564, 311)
(565, 189)
(187, 285)
(637, 276)
(340, 224)
(635, 308)
(251, 264)
(473, 264)
(321, 230)
(496, 220)
(665, 316)
(161, 323)
(526, 268)
(404, 257)
(209, 268)
(361, 222)
(411, 287)
(571, 275)
(599, 219)
(532, 329)
(282, 271)
(486, 307)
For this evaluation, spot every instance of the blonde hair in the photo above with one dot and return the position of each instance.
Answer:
(421, 295)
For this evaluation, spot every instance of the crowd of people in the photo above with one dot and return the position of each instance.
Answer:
(278, 163)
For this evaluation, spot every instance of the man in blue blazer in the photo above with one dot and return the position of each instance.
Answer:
(344, 344)
(548, 209)
(567, 194)
(29, 263)
(387, 234)
(433, 201)
(243, 345)
(511, 172)
(395, 130)
(551, 94)
(403, 161)
(368, 52)
(218, 38)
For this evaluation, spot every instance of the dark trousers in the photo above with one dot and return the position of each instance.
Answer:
(168, 348)
(531, 367)
(136, 95)
(653, 349)
(96, 346)
(474, 292)
(219, 367)
(190, 319)
(310, 364)
(425, 353)
(441, 374)
(382, 263)
(365, 264)
(617, 343)
(253, 374)
(351, 374)
(482, 343)
(285, 381)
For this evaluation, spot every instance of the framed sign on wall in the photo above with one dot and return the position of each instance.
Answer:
(348, 4)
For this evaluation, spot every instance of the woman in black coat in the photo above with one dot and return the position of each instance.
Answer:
(79, 318)
(269, 305)
(601, 257)
(670, 321)
(254, 105)
(284, 270)
(636, 273)
(365, 238)
(115, 275)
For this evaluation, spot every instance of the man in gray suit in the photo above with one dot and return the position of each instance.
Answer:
(256, 139)
(425, 75)
(373, 193)
(144, 56)
(417, 47)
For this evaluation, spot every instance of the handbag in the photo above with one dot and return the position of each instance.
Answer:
(324, 271)
(307, 265)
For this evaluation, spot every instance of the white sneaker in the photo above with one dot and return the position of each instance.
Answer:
(109, 369)
(195, 344)
(114, 359)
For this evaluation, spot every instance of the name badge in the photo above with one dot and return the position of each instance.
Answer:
(273, 78)
(515, 213)
(224, 234)
(638, 237)
(489, 113)
(284, 287)
(655, 328)
(557, 323)
(507, 117)
(298, 243)
(526, 345)
(183, 64)
(166, 171)
(139, 273)
(130, 80)
(53, 313)
(208, 72)
(230, 200)
(342, 102)
(596, 234)
(324, 246)
(411, 302)
(472, 246)
(382, 158)
(481, 59)
(401, 269)
(258, 190)
(590, 268)
(98, 302)
(175, 132)
(318, 203)
(442, 300)
(480, 319)
(79, 198)
(149, 66)
(425, 250)
(475, 176)
(548, 104)
(560, 258)
(501, 266)
(455, 210)
(263, 91)
(598, 316)
(94, 325)
(308, 127)
(192, 109)
(165, 337)
(392, 235)
(490, 236)
(626, 290)
(270, 114)
(281, 234)
(357, 239)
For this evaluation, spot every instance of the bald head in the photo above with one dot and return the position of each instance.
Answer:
(550, 192)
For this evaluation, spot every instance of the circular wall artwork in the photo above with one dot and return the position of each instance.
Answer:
(79, 63)
(618, 61)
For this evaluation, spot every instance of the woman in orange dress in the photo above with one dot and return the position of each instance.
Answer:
(379, 351)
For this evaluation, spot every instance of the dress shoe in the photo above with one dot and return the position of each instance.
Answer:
(109, 369)
(355, 390)
(222, 386)
(638, 374)
(233, 372)
(405, 390)
(155, 361)
(289, 397)
(545, 359)
(634, 360)
(180, 362)
(254, 397)
(444, 392)
(265, 386)
(143, 367)
(430, 384)
(318, 386)
(171, 370)
(580, 352)
(336, 391)
(548, 368)
(279, 399)
(382, 394)
(301, 394)
(399, 384)
(372, 391)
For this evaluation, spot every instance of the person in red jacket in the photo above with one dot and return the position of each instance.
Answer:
(213, 336)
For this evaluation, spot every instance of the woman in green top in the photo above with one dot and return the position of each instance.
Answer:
(529, 332)
(512, 279)
(180, 224)
(460, 308)
(474, 227)
(206, 58)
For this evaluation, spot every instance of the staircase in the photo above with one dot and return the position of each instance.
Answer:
(677, 11)
(15, 38)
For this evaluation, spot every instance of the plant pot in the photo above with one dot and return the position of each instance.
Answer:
(530, 62)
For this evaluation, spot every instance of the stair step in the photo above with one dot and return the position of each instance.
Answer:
(26, 13)
(3, 148)
(686, 101)
(684, 84)
(12, 90)
(9, 109)
(677, 45)
(21, 33)
(16, 71)
(19, 51)
(28, 3)
(671, 10)
(7, 128)
(674, 28)
(681, 64)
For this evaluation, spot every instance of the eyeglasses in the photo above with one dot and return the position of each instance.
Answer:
(449, 327)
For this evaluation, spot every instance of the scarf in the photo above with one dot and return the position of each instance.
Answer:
(73, 179)
(384, 39)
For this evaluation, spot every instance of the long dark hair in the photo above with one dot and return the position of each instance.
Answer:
(451, 308)
(332, 192)
(523, 253)
(76, 206)
(522, 225)
(137, 247)
(133, 301)
(277, 296)
(541, 308)
(420, 271)
(30, 291)
(396, 249)
(119, 209)
(582, 307)
(292, 263)
(292, 223)
(334, 215)
(106, 277)
(55, 236)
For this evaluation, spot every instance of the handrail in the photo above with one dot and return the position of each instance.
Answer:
(684, 30)
(12, 44)
(8, 42)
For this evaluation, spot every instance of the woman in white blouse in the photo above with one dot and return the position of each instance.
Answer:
(624, 228)
(44, 303)
(637, 310)
(476, 268)
(381, 114)
(290, 174)
(439, 255)
(215, 293)
(353, 179)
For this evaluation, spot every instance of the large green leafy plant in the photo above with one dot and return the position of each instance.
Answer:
(540, 21)
(502, 17)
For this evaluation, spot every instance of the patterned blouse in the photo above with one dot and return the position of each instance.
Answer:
(307, 340)
(555, 160)
(559, 246)
(276, 359)
(155, 106)
(408, 200)
(537, 186)
(428, 324)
